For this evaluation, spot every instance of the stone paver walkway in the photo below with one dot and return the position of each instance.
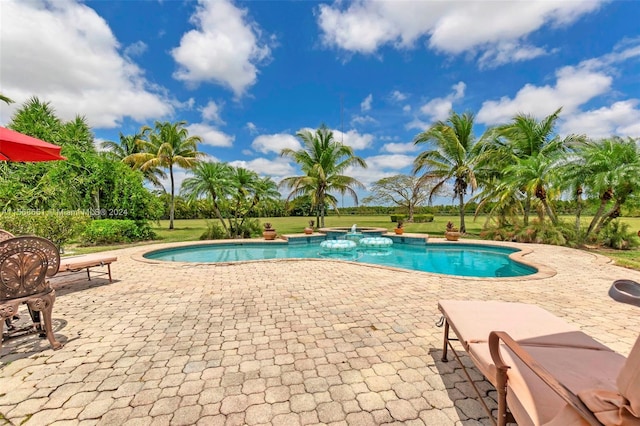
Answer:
(278, 343)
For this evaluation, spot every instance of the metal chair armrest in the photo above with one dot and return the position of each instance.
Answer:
(502, 368)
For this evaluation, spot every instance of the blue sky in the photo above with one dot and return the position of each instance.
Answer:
(247, 76)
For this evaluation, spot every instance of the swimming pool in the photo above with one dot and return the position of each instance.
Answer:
(471, 260)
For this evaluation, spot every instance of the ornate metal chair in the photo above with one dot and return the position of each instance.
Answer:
(25, 264)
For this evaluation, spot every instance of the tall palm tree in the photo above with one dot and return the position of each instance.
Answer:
(212, 180)
(451, 157)
(169, 145)
(523, 138)
(132, 144)
(322, 161)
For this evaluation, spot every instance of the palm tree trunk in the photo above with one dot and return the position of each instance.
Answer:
(608, 217)
(596, 217)
(550, 213)
(463, 228)
(171, 201)
(579, 206)
(216, 208)
(527, 209)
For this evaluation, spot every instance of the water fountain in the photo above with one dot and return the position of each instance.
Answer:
(353, 234)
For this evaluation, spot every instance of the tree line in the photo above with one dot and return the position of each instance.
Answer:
(511, 173)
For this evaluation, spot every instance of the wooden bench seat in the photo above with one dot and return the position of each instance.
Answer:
(87, 261)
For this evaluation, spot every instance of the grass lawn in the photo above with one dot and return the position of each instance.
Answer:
(190, 230)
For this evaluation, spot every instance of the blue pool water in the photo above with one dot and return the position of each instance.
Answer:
(460, 259)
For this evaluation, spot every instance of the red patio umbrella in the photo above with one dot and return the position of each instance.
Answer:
(15, 146)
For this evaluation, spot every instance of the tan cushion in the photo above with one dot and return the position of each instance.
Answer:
(629, 379)
(528, 324)
(621, 407)
(85, 261)
(529, 398)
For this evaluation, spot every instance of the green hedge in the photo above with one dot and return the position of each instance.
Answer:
(116, 231)
(422, 218)
(417, 218)
(57, 226)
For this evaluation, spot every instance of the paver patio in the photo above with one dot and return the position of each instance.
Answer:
(278, 343)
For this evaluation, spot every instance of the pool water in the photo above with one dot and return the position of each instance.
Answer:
(470, 260)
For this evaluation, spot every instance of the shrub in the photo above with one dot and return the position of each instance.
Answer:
(114, 231)
(498, 233)
(617, 236)
(422, 218)
(250, 228)
(397, 217)
(214, 232)
(58, 226)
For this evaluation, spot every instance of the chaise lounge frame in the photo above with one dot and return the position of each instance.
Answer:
(523, 341)
(78, 263)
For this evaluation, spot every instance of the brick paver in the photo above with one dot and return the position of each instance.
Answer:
(278, 342)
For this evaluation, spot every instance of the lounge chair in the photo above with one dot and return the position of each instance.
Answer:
(546, 371)
(25, 264)
(78, 263)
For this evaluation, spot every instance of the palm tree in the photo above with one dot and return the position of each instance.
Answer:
(572, 175)
(322, 160)
(212, 180)
(534, 175)
(132, 144)
(127, 145)
(7, 100)
(523, 138)
(452, 157)
(169, 145)
(614, 174)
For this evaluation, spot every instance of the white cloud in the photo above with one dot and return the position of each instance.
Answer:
(417, 124)
(275, 143)
(398, 96)
(135, 49)
(210, 135)
(439, 108)
(451, 27)
(277, 168)
(211, 112)
(353, 139)
(406, 108)
(621, 119)
(400, 148)
(574, 87)
(253, 129)
(390, 162)
(224, 48)
(365, 105)
(378, 167)
(66, 54)
(507, 52)
(362, 120)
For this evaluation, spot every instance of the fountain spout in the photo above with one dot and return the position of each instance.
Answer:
(353, 228)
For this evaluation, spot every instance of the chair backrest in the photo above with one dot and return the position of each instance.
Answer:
(25, 263)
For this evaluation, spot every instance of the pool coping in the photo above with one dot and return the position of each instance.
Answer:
(543, 271)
